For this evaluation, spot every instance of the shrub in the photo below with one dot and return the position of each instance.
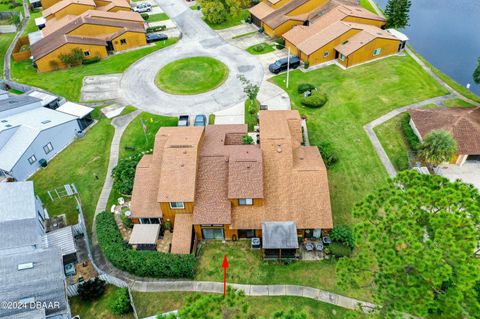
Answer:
(304, 87)
(306, 64)
(280, 43)
(260, 30)
(343, 234)
(410, 136)
(124, 173)
(156, 28)
(127, 222)
(247, 139)
(92, 289)
(329, 155)
(316, 100)
(340, 250)
(140, 263)
(120, 302)
(91, 61)
(145, 16)
(53, 64)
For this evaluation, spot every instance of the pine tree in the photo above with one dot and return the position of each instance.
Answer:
(398, 13)
(476, 73)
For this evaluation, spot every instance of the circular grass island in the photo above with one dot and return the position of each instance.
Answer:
(191, 75)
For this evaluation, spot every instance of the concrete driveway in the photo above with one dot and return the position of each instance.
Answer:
(468, 172)
(137, 85)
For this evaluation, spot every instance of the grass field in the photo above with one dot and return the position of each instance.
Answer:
(158, 17)
(231, 20)
(5, 40)
(191, 75)
(391, 136)
(98, 309)
(356, 97)
(247, 266)
(31, 27)
(260, 48)
(68, 82)
(152, 303)
(80, 163)
(251, 118)
(456, 102)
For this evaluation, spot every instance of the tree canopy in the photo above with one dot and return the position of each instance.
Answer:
(217, 11)
(437, 147)
(124, 174)
(416, 247)
(398, 13)
(476, 73)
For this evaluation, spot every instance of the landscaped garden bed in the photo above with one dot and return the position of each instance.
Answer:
(192, 75)
(260, 48)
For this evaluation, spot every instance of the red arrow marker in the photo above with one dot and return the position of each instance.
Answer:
(225, 266)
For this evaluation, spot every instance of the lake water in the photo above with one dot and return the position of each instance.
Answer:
(447, 34)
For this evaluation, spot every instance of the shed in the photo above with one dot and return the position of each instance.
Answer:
(82, 112)
(145, 236)
(279, 240)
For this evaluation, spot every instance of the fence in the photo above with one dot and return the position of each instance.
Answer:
(72, 290)
(6, 85)
(19, 55)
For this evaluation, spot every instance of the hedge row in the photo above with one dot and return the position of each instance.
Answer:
(409, 134)
(144, 263)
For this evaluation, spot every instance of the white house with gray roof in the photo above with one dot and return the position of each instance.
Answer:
(31, 268)
(31, 132)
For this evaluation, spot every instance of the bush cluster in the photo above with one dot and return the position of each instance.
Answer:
(92, 289)
(92, 60)
(124, 174)
(340, 250)
(343, 234)
(120, 302)
(259, 47)
(304, 87)
(145, 16)
(142, 263)
(316, 100)
(329, 155)
(410, 136)
(156, 28)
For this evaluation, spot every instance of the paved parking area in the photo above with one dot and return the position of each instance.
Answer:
(100, 87)
(228, 34)
(468, 172)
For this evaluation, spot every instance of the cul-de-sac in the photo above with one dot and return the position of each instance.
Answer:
(239, 159)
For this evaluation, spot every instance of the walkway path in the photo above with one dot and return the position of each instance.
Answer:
(137, 85)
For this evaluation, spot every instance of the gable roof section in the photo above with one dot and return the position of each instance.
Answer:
(182, 234)
(65, 3)
(462, 123)
(359, 40)
(21, 201)
(261, 10)
(280, 16)
(178, 172)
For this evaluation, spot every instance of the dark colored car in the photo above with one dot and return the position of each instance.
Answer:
(154, 37)
(183, 120)
(281, 65)
(200, 120)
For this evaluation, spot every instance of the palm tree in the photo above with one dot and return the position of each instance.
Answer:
(437, 147)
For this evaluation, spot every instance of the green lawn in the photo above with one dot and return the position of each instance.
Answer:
(456, 102)
(391, 136)
(158, 17)
(5, 6)
(260, 48)
(80, 163)
(231, 20)
(5, 40)
(246, 266)
(191, 75)
(251, 118)
(31, 27)
(367, 5)
(356, 97)
(68, 82)
(151, 303)
(98, 309)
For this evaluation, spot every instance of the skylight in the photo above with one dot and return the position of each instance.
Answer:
(25, 266)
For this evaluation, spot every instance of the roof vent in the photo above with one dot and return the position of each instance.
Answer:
(279, 150)
(8, 125)
(25, 266)
(46, 122)
(4, 121)
(182, 165)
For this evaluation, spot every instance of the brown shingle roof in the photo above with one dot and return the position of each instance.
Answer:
(144, 195)
(65, 3)
(182, 234)
(368, 34)
(245, 173)
(261, 10)
(462, 123)
(295, 178)
(179, 165)
(281, 15)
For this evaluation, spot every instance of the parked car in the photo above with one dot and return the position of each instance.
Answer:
(200, 120)
(281, 65)
(143, 7)
(183, 120)
(154, 37)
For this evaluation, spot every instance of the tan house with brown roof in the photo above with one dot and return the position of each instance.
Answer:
(349, 35)
(462, 123)
(95, 27)
(212, 186)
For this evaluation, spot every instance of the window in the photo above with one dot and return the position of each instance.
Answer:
(245, 202)
(177, 205)
(213, 233)
(123, 41)
(342, 57)
(48, 148)
(32, 159)
(86, 53)
(377, 51)
(326, 54)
